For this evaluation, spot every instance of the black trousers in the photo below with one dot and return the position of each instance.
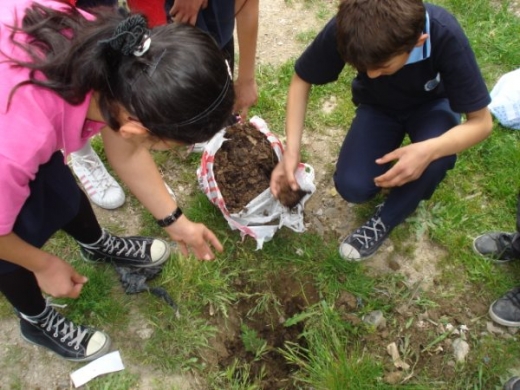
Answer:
(55, 203)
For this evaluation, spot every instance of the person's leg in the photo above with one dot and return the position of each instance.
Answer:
(101, 187)
(53, 201)
(429, 122)
(371, 135)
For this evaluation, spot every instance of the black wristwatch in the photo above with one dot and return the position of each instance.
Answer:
(170, 218)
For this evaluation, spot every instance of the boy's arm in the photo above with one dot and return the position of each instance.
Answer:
(135, 166)
(413, 159)
(296, 108)
(247, 34)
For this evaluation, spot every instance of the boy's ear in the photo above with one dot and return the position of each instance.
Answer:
(132, 128)
(421, 40)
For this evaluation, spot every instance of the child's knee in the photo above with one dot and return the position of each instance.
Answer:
(354, 190)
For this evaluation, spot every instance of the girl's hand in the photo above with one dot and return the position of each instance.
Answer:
(194, 237)
(59, 279)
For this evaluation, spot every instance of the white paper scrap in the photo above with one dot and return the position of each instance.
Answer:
(111, 362)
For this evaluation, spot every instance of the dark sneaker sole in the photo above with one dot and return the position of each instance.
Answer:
(501, 321)
(103, 351)
(124, 263)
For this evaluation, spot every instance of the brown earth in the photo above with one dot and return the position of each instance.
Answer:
(243, 165)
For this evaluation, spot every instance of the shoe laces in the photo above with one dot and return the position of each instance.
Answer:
(96, 169)
(370, 232)
(128, 247)
(61, 326)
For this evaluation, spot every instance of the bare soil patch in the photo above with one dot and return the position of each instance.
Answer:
(256, 332)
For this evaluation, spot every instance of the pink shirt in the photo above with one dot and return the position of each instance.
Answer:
(37, 124)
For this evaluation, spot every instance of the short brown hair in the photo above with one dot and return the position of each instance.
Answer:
(370, 32)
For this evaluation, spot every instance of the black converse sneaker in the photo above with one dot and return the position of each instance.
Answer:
(506, 310)
(365, 241)
(126, 251)
(496, 246)
(72, 342)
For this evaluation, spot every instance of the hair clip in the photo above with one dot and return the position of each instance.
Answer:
(143, 47)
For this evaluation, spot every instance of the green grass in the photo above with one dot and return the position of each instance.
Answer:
(331, 352)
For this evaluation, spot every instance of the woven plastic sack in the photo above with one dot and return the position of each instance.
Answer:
(505, 100)
(264, 215)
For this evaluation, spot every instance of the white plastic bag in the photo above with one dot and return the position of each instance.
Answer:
(257, 218)
(505, 100)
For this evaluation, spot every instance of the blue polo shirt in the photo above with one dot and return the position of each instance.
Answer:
(445, 67)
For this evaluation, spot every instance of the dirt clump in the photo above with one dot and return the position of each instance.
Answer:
(243, 165)
(290, 198)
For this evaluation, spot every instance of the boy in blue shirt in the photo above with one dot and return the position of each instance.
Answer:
(416, 75)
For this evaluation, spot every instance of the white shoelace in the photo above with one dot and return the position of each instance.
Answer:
(129, 247)
(376, 226)
(96, 169)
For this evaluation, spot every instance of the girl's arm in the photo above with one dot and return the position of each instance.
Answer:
(55, 276)
(135, 166)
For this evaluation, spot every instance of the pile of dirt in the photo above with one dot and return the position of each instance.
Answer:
(243, 167)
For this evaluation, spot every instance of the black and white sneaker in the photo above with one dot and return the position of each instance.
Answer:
(72, 342)
(496, 246)
(506, 310)
(133, 251)
(364, 242)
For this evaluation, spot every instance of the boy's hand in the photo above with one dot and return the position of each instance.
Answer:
(283, 173)
(59, 279)
(411, 162)
(186, 11)
(194, 237)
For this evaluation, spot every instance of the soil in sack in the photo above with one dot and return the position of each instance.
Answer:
(243, 166)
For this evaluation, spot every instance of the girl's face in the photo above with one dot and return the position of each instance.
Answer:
(151, 141)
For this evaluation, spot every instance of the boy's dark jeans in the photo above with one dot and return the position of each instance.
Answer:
(374, 133)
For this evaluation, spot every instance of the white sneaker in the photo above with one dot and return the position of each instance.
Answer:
(100, 186)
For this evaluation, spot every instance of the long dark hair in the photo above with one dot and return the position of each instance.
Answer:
(179, 88)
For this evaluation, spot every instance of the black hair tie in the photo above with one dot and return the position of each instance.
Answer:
(129, 35)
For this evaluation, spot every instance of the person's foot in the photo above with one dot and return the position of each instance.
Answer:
(512, 384)
(126, 251)
(366, 240)
(506, 310)
(496, 246)
(72, 342)
(102, 189)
